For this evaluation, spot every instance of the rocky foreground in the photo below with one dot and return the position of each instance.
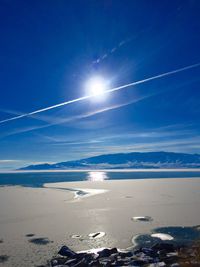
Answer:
(161, 254)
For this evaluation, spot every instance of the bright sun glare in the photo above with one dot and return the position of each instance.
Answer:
(96, 86)
(97, 176)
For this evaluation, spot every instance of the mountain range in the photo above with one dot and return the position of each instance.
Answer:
(134, 160)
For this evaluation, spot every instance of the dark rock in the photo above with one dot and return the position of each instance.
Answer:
(65, 251)
(82, 263)
(81, 255)
(105, 262)
(3, 258)
(96, 235)
(94, 263)
(113, 251)
(160, 264)
(30, 235)
(119, 263)
(138, 263)
(137, 251)
(58, 261)
(71, 262)
(164, 246)
(125, 254)
(90, 257)
(104, 253)
(162, 253)
(114, 256)
(171, 259)
(149, 252)
(86, 256)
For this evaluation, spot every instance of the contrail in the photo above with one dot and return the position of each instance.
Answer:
(73, 118)
(108, 91)
(114, 49)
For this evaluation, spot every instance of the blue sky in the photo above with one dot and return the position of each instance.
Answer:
(48, 51)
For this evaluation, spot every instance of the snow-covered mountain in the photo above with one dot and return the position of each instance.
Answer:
(134, 160)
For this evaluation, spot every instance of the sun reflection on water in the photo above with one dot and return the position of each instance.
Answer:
(97, 176)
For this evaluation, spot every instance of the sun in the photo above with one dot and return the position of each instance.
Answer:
(96, 86)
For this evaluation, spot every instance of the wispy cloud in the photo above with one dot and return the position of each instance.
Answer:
(156, 133)
(115, 144)
(76, 143)
(56, 121)
(5, 161)
(189, 144)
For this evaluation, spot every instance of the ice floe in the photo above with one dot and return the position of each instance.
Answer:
(162, 236)
(142, 218)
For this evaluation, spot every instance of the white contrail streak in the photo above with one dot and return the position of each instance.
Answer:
(108, 91)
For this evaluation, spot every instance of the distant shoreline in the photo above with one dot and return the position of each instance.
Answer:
(105, 170)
